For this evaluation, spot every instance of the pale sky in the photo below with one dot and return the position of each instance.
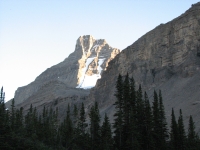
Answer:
(37, 34)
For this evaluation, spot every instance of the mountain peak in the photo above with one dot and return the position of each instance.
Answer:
(81, 69)
(95, 57)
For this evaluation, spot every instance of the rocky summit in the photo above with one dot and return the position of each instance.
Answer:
(65, 80)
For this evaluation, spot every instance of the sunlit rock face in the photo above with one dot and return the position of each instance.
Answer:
(81, 69)
(96, 55)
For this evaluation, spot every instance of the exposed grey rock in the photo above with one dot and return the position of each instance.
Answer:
(55, 94)
(166, 58)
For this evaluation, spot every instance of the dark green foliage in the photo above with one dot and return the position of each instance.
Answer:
(137, 125)
(160, 133)
(163, 133)
(75, 116)
(4, 118)
(133, 140)
(156, 121)
(66, 131)
(94, 126)
(106, 135)
(174, 132)
(81, 138)
(181, 133)
(82, 120)
(140, 118)
(193, 139)
(126, 112)
(118, 121)
(12, 115)
(148, 124)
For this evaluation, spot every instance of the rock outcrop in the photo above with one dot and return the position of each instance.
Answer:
(81, 69)
(166, 58)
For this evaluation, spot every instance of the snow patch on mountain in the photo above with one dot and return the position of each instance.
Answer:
(86, 81)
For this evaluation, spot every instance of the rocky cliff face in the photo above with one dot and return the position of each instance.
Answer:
(166, 58)
(81, 69)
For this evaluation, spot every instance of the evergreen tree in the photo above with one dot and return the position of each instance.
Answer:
(75, 116)
(160, 132)
(94, 126)
(106, 135)
(2, 112)
(174, 132)
(193, 139)
(140, 114)
(156, 121)
(163, 124)
(12, 117)
(134, 144)
(126, 108)
(19, 124)
(4, 121)
(148, 123)
(118, 116)
(29, 122)
(181, 133)
(132, 95)
(66, 131)
(42, 126)
(52, 127)
(81, 137)
(82, 120)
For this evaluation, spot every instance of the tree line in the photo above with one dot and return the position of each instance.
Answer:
(137, 125)
(141, 126)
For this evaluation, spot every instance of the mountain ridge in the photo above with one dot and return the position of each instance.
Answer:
(75, 69)
(165, 58)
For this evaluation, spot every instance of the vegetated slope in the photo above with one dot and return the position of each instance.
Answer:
(166, 58)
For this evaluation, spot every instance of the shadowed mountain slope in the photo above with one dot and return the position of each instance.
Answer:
(166, 58)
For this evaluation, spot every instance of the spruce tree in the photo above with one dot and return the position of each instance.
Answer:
(106, 135)
(82, 120)
(174, 132)
(181, 132)
(69, 128)
(163, 123)
(75, 116)
(148, 124)
(94, 126)
(2, 112)
(126, 113)
(12, 117)
(19, 124)
(156, 121)
(81, 137)
(193, 139)
(4, 121)
(29, 122)
(134, 143)
(140, 117)
(118, 116)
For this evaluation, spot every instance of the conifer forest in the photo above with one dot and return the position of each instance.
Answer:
(138, 125)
